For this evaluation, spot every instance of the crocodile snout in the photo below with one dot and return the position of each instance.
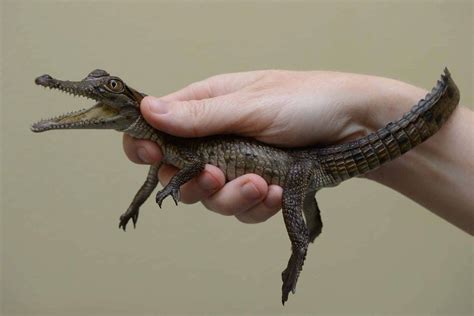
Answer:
(43, 80)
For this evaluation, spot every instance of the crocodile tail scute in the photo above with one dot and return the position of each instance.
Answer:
(355, 158)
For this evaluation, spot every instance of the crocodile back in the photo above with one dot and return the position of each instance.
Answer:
(237, 156)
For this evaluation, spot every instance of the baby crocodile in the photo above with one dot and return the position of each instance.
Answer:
(301, 172)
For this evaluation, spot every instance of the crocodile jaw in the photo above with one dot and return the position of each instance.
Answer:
(100, 116)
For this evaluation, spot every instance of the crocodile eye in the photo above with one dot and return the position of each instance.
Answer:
(115, 85)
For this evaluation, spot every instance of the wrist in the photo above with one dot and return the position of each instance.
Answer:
(389, 100)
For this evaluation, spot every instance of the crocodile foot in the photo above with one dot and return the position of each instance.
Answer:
(131, 213)
(291, 273)
(168, 190)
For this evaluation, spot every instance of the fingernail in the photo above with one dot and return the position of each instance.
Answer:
(207, 182)
(250, 191)
(142, 153)
(157, 106)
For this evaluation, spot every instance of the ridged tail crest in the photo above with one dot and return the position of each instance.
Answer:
(357, 157)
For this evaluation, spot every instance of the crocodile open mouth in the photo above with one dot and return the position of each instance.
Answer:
(96, 117)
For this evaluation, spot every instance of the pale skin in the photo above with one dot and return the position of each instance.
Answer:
(290, 109)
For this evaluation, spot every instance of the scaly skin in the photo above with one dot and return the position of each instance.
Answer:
(301, 172)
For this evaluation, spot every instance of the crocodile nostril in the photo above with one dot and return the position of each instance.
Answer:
(43, 79)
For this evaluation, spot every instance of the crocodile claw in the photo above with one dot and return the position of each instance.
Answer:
(291, 273)
(168, 190)
(131, 213)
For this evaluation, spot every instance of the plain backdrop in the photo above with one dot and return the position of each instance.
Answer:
(62, 192)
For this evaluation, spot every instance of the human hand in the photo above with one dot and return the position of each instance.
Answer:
(283, 108)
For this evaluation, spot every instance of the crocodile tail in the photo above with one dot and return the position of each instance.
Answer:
(357, 157)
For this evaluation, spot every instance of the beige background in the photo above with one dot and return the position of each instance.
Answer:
(62, 253)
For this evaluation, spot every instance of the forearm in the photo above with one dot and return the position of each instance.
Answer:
(439, 173)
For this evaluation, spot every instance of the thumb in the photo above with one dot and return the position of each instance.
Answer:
(194, 118)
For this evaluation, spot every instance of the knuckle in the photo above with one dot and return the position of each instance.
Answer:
(218, 207)
(188, 198)
(191, 192)
(196, 110)
(245, 219)
(251, 217)
(200, 89)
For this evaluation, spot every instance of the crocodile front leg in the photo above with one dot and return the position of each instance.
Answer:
(294, 196)
(192, 168)
(141, 196)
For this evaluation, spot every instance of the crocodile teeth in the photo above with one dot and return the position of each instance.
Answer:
(87, 93)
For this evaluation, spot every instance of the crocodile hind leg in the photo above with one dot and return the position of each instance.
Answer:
(141, 196)
(312, 216)
(191, 169)
(294, 196)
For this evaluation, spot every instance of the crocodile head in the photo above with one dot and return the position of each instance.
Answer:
(117, 107)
